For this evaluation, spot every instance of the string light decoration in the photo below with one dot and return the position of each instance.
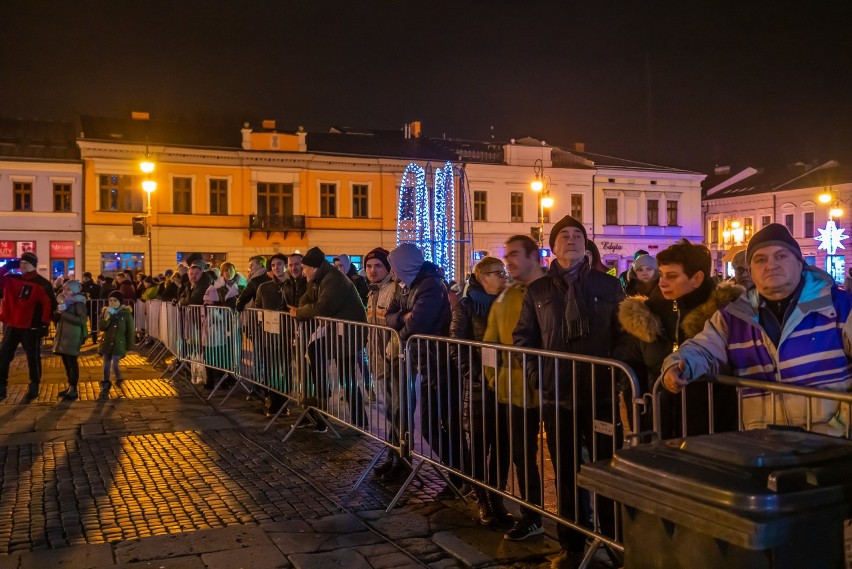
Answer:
(413, 211)
(427, 215)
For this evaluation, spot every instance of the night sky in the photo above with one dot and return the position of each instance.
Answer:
(681, 83)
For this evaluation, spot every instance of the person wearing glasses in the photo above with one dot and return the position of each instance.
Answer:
(742, 274)
(573, 309)
(470, 319)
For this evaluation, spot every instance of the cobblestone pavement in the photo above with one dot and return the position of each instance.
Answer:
(159, 477)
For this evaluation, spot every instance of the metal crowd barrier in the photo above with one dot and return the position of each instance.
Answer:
(476, 400)
(210, 339)
(271, 355)
(354, 375)
(749, 404)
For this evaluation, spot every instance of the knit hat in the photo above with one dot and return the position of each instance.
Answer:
(74, 286)
(406, 261)
(773, 234)
(345, 262)
(380, 254)
(644, 261)
(30, 258)
(116, 295)
(566, 221)
(313, 258)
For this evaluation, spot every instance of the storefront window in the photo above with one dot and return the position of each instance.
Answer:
(212, 259)
(112, 263)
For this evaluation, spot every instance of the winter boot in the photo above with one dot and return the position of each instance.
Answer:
(69, 394)
(104, 394)
(32, 393)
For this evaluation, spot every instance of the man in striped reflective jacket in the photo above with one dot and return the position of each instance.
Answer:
(793, 328)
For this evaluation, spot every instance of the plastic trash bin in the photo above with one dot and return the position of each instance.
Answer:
(752, 499)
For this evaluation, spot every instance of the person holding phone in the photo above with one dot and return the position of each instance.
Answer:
(27, 306)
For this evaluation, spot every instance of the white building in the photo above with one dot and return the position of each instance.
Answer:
(625, 205)
(41, 194)
(738, 205)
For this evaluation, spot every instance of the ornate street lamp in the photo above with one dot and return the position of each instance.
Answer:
(541, 186)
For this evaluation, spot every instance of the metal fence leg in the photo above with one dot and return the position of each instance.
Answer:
(369, 468)
(405, 486)
(177, 370)
(590, 553)
(217, 386)
(295, 425)
(237, 383)
(277, 414)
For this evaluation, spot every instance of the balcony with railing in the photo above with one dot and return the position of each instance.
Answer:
(276, 223)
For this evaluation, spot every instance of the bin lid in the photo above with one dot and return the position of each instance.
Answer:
(741, 486)
(760, 471)
(767, 448)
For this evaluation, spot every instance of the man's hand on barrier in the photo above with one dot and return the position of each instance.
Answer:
(673, 379)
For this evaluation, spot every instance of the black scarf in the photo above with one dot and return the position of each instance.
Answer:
(576, 322)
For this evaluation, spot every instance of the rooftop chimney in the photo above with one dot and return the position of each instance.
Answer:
(268, 124)
(580, 146)
(415, 129)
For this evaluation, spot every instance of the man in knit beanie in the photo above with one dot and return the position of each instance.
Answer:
(572, 309)
(331, 295)
(795, 324)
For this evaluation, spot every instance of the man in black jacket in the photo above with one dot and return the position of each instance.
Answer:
(573, 309)
(280, 293)
(331, 295)
(256, 277)
(199, 282)
(423, 307)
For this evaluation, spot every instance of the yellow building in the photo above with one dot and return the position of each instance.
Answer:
(229, 194)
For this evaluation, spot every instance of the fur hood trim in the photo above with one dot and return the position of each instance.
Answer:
(722, 296)
(638, 320)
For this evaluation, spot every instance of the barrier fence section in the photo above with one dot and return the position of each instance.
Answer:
(477, 410)
(271, 355)
(732, 403)
(210, 341)
(354, 374)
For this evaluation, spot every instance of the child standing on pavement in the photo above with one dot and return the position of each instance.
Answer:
(71, 331)
(116, 322)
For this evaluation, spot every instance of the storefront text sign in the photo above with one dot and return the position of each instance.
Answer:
(7, 249)
(26, 247)
(61, 249)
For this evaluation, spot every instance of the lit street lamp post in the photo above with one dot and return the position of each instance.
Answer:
(541, 186)
(150, 186)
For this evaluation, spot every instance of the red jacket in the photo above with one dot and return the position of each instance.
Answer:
(28, 299)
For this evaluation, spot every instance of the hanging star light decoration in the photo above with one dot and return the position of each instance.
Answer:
(830, 238)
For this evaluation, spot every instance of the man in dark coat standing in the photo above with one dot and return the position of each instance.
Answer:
(573, 309)
(332, 295)
(257, 276)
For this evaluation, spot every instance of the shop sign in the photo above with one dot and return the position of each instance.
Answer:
(7, 249)
(26, 247)
(61, 249)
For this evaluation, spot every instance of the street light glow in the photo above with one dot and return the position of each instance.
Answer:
(547, 201)
(835, 212)
(536, 185)
(149, 185)
(824, 197)
(147, 166)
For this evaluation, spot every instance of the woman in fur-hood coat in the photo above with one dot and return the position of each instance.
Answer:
(655, 327)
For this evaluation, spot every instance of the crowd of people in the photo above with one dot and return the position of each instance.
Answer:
(777, 320)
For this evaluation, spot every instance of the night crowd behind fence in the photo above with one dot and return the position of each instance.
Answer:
(415, 401)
